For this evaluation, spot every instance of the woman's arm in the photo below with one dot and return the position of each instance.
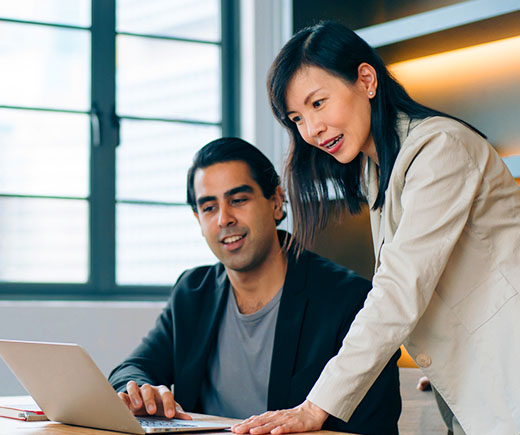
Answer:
(440, 185)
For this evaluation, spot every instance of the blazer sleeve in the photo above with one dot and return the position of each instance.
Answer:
(152, 361)
(440, 182)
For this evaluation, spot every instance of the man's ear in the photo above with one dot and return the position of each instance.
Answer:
(196, 216)
(367, 78)
(278, 198)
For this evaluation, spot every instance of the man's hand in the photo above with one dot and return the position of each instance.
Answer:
(304, 418)
(152, 400)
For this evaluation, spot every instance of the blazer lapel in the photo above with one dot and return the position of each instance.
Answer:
(377, 224)
(377, 218)
(288, 328)
(209, 312)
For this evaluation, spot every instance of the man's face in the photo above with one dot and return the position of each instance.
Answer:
(235, 218)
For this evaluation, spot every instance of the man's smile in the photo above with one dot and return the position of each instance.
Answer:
(232, 239)
(233, 242)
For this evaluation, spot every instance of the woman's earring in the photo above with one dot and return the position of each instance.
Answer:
(371, 94)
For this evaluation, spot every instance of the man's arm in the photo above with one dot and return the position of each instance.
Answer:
(164, 354)
(142, 378)
(152, 361)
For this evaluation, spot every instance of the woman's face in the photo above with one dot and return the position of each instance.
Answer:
(332, 114)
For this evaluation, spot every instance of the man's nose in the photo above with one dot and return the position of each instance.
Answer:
(226, 217)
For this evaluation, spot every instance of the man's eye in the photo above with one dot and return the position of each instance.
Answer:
(238, 200)
(208, 208)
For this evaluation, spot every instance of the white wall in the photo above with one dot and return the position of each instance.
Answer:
(266, 25)
(109, 331)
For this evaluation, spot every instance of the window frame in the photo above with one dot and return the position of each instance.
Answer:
(104, 138)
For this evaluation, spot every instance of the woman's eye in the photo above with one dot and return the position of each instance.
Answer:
(296, 119)
(317, 103)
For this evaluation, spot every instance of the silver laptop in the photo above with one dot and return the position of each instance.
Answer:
(70, 388)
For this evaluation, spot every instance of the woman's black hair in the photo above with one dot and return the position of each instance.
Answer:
(309, 172)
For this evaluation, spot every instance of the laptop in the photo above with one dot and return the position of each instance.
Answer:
(69, 387)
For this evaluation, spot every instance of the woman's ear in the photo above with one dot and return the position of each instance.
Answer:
(367, 78)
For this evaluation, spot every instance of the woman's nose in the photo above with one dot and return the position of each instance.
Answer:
(315, 127)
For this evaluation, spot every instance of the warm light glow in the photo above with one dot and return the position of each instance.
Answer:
(480, 84)
(481, 65)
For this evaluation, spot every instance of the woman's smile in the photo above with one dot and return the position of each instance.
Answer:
(334, 144)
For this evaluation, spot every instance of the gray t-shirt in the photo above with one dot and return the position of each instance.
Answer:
(238, 369)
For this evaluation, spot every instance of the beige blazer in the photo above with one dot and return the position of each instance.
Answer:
(447, 281)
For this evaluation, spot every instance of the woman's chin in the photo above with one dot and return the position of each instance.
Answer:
(343, 157)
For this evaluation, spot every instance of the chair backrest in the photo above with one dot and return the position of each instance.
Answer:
(405, 360)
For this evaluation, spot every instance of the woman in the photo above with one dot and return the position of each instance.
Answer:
(445, 218)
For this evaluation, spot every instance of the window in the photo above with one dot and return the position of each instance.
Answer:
(102, 105)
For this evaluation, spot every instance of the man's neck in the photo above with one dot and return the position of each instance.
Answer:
(254, 289)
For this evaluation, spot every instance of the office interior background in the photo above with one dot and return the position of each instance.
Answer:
(104, 102)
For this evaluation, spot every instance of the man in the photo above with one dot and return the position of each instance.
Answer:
(252, 332)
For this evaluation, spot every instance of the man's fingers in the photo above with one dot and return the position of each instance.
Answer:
(126, 400)
(134, 394)
(179, 413)
(152, 400)
(165, 397)
(167, 405)
(148, 395)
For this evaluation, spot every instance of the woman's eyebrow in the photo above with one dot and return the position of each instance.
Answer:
(307, 98)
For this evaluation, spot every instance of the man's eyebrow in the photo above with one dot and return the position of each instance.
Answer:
(307, 98)
(245, 188)
(204, 199)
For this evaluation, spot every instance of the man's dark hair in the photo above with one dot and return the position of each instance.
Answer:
(232, 149)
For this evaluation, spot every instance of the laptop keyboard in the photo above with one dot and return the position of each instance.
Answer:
(161, 422)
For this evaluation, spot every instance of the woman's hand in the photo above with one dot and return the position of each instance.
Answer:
(304, 418)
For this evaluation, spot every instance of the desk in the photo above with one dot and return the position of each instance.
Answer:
(15, 427)
(420, 415)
